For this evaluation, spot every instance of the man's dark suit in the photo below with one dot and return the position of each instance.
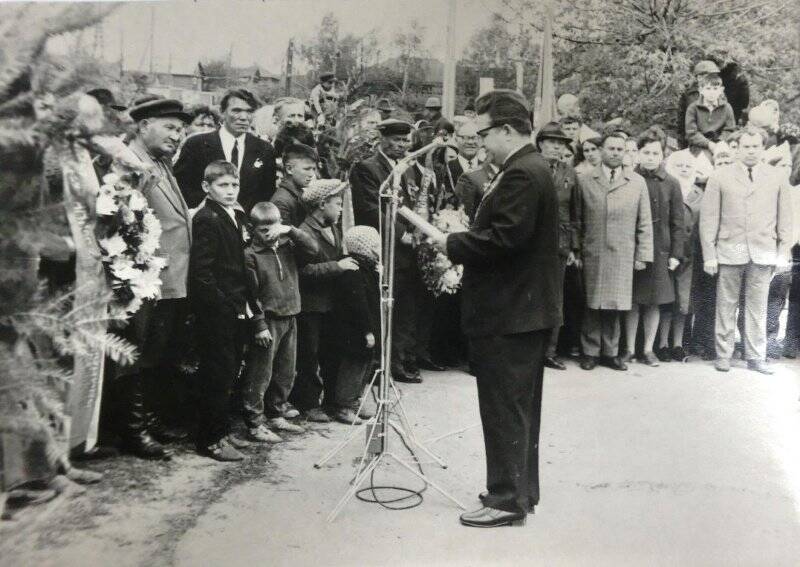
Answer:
(365, 179)
(256, 177)
(219, 293)
(511, 300)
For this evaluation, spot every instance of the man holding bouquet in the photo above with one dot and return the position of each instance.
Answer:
(512, 300)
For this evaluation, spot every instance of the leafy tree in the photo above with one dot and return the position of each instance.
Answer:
(410, 46)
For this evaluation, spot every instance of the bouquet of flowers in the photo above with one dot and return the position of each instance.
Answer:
(438, 272)
(128, 233)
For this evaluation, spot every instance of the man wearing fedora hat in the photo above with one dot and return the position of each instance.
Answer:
(158, 328)
(551, 141)
(385, 107)
(253, 157)
(433, 114)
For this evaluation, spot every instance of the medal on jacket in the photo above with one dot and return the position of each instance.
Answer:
(492, 186)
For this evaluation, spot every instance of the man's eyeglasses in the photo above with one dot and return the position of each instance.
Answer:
(483, 132)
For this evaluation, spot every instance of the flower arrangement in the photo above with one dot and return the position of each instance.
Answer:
(128, 235)
(438, 272)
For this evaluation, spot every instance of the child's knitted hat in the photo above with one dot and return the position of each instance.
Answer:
(363, 241)
(320, 189)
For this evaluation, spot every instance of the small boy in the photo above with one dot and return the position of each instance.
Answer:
(317, 357)
(272, 275)
(358, 321)
(219, 297)
(299, 169)
(709, 117)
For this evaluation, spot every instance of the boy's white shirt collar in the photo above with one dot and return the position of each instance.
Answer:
(228, 140)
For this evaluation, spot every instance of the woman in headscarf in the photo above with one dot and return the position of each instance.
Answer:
(682, 166)
(654, 287)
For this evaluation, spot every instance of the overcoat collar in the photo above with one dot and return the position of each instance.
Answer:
(316, 226)
(169, 187)
(622, 178)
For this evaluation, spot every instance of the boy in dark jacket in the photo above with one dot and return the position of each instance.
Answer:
(317, 357)
(709, 117)
(299, 168)
(358, 320)
(272, 275)
(219, 297)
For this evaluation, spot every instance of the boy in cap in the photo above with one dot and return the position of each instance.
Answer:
(317, 358)
(271, 262)
(320, 91)
(299, 169)
(358, 321)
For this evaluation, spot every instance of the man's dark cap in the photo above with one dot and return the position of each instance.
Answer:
(394, 127)
(552, 131)
(327, 76)
(160, 108)
(106, 98)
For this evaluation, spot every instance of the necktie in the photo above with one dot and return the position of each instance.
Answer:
(235, 154)
(611, 176)
(750, 173)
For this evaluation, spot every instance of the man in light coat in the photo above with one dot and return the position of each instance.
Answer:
(745, 232)
(617, 238)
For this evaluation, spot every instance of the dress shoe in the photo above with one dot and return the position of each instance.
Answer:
(492, 518)
(94, 454)
(407, 378)
(789, 351)
(759, 365)
(627, 357)
(317, 415)
(346, 416)
(281, 424)
(237, 442)
(223, 451)
(589, 362)
(722, 364)
(774, 350)
(678, 354)
(614, 363)
(164, 434)
(554, 363)
(262, 434)
(649, 358)
(145, 447)
(664, 354)
(83, 476)
(427, 364)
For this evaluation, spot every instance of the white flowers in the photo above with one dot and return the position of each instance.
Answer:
(438, 272)
(128, 236)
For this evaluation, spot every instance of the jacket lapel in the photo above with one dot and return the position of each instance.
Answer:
(250, 154)
(214, 147)
(164, 185)
(600, 177)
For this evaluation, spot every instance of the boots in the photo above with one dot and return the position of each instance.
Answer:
(154, 391)
(136, 438)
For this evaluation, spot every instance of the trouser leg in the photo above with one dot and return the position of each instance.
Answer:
(729, 283)
(610, 332)
(258, 376)
(757, 287)
(404, 317)
(308, 384)
(283, 367)
(591, 333)
(328, 358)
(778, 291)
(353, 371)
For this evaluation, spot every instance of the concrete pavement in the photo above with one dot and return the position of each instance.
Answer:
(677, 465)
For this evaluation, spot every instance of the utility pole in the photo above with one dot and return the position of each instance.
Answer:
(121, 51)
(289, 58)
(152, 35)
(449, 82)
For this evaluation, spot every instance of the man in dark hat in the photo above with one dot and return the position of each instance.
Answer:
(253, 157)
(433, 114)
(511, 302)
(551, 142)
(366, 178)
(158, 329)
(385, 107)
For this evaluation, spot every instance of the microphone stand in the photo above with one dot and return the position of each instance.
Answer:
(376, 449)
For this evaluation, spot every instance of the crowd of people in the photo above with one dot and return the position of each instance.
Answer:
(270, 221)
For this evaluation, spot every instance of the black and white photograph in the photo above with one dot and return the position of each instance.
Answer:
(402, 283)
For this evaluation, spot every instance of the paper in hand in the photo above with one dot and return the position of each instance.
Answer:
(420, 223)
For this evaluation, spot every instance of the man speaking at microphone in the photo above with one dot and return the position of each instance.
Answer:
(511, 301)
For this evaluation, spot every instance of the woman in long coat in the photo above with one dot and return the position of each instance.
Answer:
(653, 286)
(616, 236)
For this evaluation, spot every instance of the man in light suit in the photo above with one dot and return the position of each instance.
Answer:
(157, 328)
(253, 157)
(745, 232)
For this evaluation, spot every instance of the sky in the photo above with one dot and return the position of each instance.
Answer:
(256, 31)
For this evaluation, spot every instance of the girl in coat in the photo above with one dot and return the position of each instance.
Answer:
(653, 287)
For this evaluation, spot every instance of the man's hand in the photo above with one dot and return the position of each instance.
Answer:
(673, 264)
(407, 238)
(277, 230)
(783, 265)
(370, 340)
(638, 265)
(347, 264)
(574, 260)
(711, 267)
(440, 243)
(263, 338)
